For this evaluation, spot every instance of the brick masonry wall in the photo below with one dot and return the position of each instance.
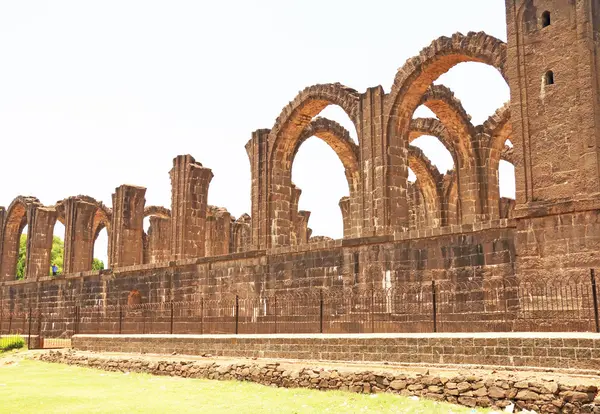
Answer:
(447, 254)
(573, 351)
(543, 394)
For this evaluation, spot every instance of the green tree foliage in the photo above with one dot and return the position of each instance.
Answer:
(97, 264)
(56, 256)
(21, 261)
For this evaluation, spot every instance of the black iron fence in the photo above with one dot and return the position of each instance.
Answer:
(496, 305)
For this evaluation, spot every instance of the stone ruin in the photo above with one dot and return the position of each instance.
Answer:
(452, 226)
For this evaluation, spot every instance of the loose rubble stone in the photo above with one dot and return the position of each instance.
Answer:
(470, 391)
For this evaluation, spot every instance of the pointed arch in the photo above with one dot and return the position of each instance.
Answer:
(338, 138)
(410, 84)
(429, 181)
(419, 72)
(296, 116)
(289, 132)
(495, 131)
(17, 217)
(449, 110)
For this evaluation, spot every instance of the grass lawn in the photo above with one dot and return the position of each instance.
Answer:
(36, 387)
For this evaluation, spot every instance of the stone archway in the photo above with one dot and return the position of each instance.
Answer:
(410, 85)
(283, 142)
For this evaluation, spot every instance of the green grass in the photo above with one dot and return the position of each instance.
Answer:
(11, 342)
(37, 387)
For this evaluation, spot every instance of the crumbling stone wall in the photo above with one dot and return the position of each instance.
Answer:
(551, 120)
(471, 388)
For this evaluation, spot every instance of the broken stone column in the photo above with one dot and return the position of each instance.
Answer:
(39, 242)
(159, 239)
(345, 207)
(257, 150)
(189, 187)
(302, 230)
(79, 235)
(241, 234)
(127, 227)
(218, 231)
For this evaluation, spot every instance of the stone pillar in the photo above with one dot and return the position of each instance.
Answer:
(302, 230)
(79, 235)
(127, 227)
(218, 231)
(189, 186)
(159, 239)
(384, 169)
(257, 150)
(39, 242)
(241, 234)
(345, 207)
(294, 219)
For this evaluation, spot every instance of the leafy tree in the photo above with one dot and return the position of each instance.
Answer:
(21, 260)
(97, 264)
(56, 256)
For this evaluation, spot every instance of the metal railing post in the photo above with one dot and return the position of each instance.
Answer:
(202, 315)
(29, 331)
(237, 313)
(434, 303)
(275, 312)
(120, 319)
(76, 324)
(372, 311)
(172, 317)
(595, 298)
(321, 311)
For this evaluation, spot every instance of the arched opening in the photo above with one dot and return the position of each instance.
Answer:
(100, 249)
(435, 151)
(22, 254)
(319, 174)
(549, 78)
(289, 131)
(145, 240)
(57, 254)
(337, 114)
(424, 112)
(546, 21)
(506, 180)
(469, 82)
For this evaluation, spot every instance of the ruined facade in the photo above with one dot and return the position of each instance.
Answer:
(443, 226)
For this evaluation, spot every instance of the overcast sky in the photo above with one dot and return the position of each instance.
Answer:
(95, 94)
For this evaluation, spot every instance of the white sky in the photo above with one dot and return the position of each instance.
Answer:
(95, 94)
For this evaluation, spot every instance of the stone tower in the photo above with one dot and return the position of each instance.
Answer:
(553, 72)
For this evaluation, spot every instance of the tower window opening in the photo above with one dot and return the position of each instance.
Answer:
(545, 19)
(549, 78)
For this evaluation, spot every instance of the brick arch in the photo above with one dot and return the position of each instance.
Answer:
(339, 140)
(283, 141)
(435, 128)
(451, 208)
(17, 217)
(449, 110)
(157, 211)
(465, 162)
(410, 84)
(296, 116)
(429, 182)
(495, 131)
(418, 73)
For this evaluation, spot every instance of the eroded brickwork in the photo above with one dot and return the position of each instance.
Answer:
(452, 226)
